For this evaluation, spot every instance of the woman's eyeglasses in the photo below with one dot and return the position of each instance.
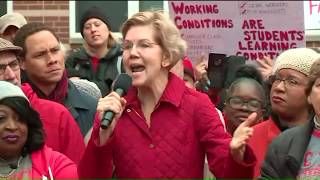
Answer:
(140, 45)
(288, 82)
(237, 103)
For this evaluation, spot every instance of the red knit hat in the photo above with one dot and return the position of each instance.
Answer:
(187, 67)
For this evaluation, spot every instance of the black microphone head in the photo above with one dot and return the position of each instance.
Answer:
(123, 81)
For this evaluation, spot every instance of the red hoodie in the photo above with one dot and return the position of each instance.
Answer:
(52, 164)
(61, 130)
(262, 137)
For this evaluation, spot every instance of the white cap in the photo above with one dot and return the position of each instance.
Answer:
(12, 19)
(8, 89)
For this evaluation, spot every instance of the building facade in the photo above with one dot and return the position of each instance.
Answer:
(63, 15)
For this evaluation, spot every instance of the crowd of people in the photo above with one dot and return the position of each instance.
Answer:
(171, 122)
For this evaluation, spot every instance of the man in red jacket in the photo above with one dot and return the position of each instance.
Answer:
(62, 132)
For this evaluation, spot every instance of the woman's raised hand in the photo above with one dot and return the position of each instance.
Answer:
(241, 137)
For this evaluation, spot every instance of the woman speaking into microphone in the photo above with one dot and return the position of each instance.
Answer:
(161, 128)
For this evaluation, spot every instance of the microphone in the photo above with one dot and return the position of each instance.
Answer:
(121, 86)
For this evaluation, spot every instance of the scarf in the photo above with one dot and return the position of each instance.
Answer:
(58, 94)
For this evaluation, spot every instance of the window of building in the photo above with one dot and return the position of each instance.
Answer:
(117, 11)
(147, 5)
(4, 7)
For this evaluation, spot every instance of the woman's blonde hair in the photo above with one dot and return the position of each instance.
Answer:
(111, 40)
(166, 33)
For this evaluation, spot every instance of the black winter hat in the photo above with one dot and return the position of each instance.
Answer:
(93, 12)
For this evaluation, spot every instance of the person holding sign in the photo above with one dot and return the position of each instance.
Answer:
(162, 129)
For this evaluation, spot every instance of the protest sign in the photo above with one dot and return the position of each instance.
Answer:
(312, 15)
(246, 28)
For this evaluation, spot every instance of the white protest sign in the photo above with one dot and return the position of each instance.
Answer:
(312, 14)
(245, 28)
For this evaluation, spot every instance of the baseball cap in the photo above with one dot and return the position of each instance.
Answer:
(12, 19)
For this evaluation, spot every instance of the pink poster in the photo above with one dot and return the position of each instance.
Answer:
(246, 28)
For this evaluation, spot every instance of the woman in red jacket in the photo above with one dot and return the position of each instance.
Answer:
(23, 154)
(289, 102)
(162, 129)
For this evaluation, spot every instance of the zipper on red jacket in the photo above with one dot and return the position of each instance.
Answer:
(142, 118)
(137, 113)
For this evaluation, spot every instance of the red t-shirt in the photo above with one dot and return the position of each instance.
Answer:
(95, 62)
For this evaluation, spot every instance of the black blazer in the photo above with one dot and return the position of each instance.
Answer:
(285, 153)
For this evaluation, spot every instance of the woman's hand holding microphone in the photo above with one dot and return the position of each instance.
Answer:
(112, 102)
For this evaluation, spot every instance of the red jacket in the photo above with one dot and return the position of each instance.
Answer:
(61, 167)
(61, 130)
(184, 126)
(263, 135)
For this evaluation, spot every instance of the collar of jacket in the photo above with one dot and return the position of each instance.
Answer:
(114, 51)
(282, 127)
(172, 94)
(276, 120)
(28, 91)
(301, 141)
(58, 94)
(41, 160)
